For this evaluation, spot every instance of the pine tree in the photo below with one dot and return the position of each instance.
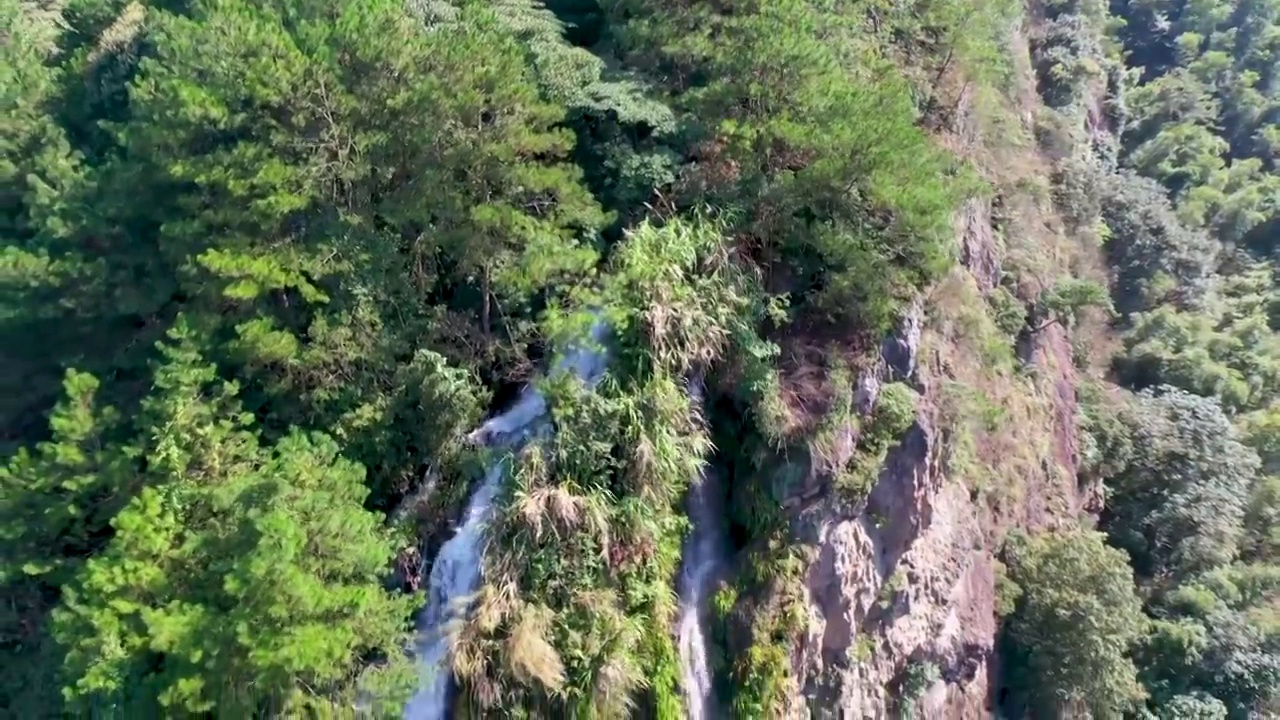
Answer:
(243, 578)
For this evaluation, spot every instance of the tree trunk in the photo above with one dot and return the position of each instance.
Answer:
(484, 304)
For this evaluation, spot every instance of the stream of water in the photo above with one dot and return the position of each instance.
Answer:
(455, 574)
(703, 560)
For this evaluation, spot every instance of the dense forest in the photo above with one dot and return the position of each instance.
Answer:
(267, 265)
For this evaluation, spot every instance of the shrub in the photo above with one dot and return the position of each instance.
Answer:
(1067, 57)
(916, 679)
(1007, 311)
(1106, 445)
(1193, 707)
(1063, 302)
(1077, 192)
(894, 412)
(1007, 591)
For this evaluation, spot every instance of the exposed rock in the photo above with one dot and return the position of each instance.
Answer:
(978, 249)
(898, 353)
(795, 481)
(420, 498)
(803, 478)
(866, 393)
(907, 577)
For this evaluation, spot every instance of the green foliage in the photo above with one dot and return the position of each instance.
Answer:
(942, 36)
(1007, 591)
(510, 248)
(762, 679)
(1069, 55)
(1211, 645)
(38, 166)
(1199, 118)
(773, 614)
(1148, 244)
(1076, 617)
(352, 223)
(677, 298)
(916, 679)
(1106, 442)
(587, 538)
(724, 600)
(57, 502)
(1187, 499)
(1262, 521)
(1225, 349)
(893, 585)
(36, 161)
(55, 507)
(1194, 707)
(894, 412)
(1007, 312)
(1078, 182)
(892, 415)
(611, 106)
(830, 174)
(242, 576)
(1063, 302)
(1178, 507)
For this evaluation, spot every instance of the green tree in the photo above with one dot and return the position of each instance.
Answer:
(1155, 257)
(833, 179)
(1225, 348)
(242, 578)
(1075, 620)
(57, 502)
(1179, 505)
(37, 167)
(1214, 641)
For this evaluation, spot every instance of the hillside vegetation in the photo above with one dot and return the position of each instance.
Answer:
(267, 263)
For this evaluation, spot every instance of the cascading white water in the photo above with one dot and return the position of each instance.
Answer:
(455, 575)
(703, 560)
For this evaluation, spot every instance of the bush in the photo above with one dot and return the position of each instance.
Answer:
(1193, 707)
(916, 679)
(1063, 302)
(1077, 192)
(895, 411)
(1007, 311)
(1106, 445)
(1007, 591)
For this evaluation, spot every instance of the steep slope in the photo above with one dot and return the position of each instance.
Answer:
(903, 594)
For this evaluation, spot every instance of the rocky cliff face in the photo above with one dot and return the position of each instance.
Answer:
(905, 577)
(901, 588)
(902, 593)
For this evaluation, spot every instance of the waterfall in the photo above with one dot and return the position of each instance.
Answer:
(455, 575)
(702, 561)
